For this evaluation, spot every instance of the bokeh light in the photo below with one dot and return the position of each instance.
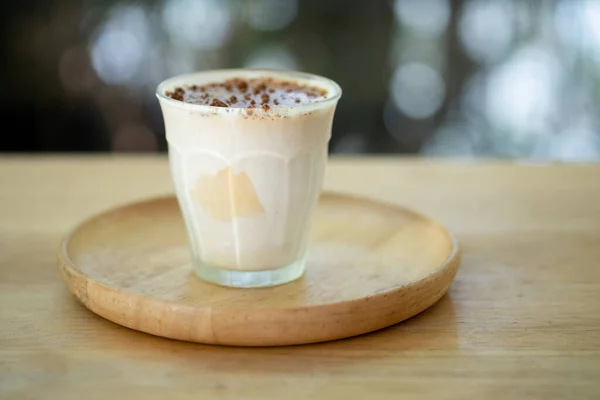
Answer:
(521, 95)
(179, 61)
(581, 145)
(452, 140)
(427, 18)
(351, 143)
(465, 78)
(275, 57)
(578, 25)
(199, 24)
(486, 28)
(119, 48)
(417, 90)
(271, 15)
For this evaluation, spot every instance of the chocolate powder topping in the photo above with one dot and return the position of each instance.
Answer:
(247, 93)
(217, 103)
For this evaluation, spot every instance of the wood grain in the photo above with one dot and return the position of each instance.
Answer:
(370, 265)
(521, 320)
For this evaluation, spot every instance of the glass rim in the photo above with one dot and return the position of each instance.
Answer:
(228, 73)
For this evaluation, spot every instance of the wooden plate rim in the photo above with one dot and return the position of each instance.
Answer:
(69, 270)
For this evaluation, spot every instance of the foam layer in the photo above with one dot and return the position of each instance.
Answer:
(249, 93)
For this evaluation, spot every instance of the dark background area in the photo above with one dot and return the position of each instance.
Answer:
(434, 77)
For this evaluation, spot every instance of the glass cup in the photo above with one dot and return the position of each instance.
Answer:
(248, 180)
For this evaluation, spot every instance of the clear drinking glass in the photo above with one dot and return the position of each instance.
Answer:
(248, 180)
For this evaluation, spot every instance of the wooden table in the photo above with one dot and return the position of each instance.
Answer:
(521, 321)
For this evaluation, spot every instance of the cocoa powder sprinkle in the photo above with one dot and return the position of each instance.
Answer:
(218, 103)
(243, 86)
(247, 92)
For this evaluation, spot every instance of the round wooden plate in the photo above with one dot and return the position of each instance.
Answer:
(370, 265)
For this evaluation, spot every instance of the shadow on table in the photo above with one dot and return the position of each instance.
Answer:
(433, 330)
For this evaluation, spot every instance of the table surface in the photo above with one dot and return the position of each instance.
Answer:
(522, 319)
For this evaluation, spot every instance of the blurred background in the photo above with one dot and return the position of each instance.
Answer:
(463, 79)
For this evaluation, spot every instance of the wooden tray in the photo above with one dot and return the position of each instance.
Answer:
(370, 265)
